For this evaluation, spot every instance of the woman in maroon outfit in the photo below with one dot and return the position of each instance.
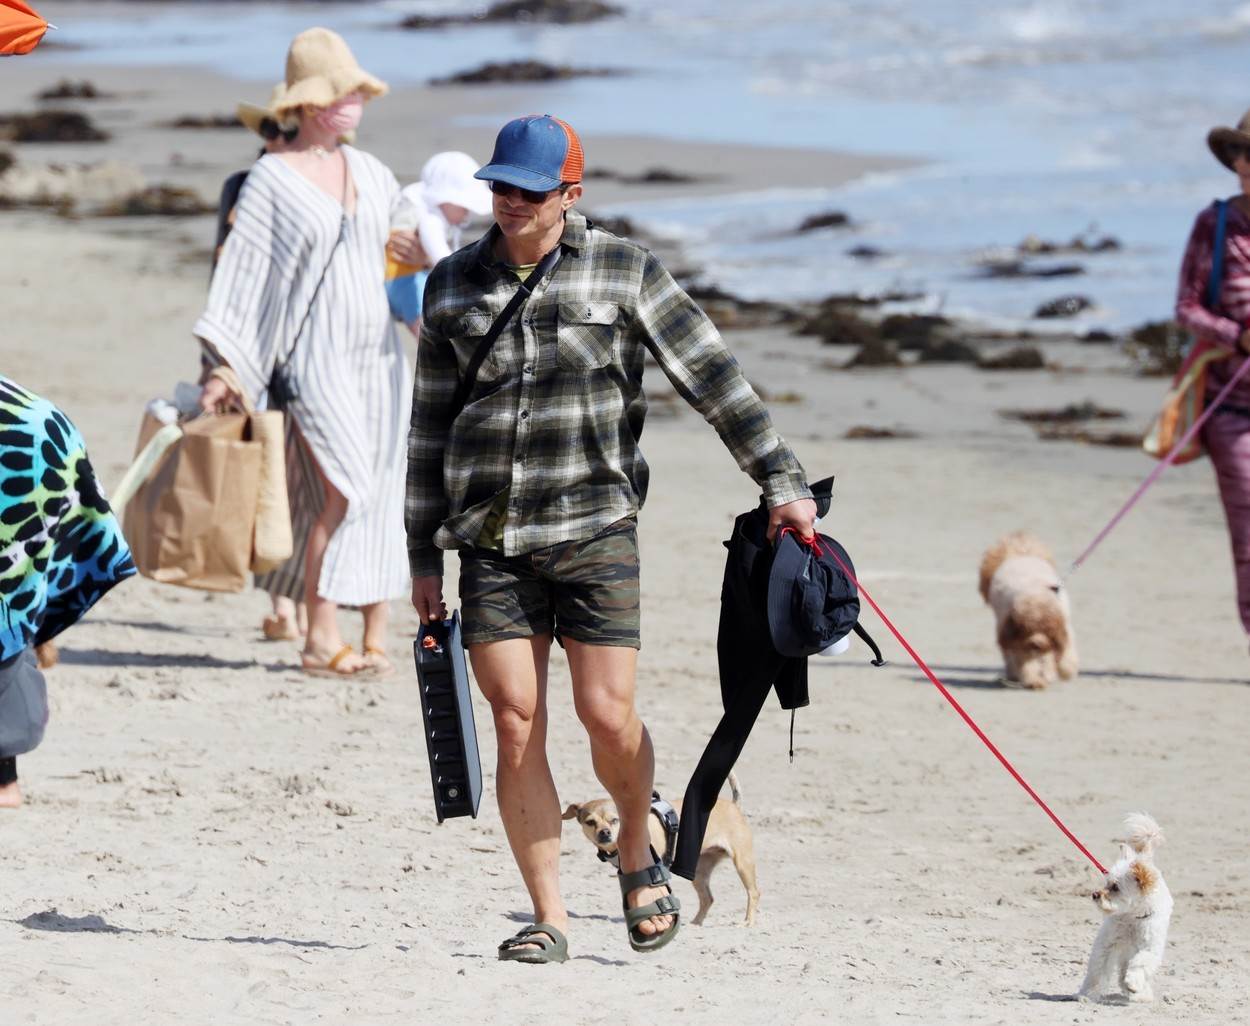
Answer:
(1226, 435)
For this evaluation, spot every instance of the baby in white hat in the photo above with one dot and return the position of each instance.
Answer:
(443, 201)
(437, 208)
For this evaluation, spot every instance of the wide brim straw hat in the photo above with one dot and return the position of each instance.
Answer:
(448, 178)
(1219, 138)
(321, 70)
(252, 115)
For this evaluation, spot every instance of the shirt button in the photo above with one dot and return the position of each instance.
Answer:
(525, 414)
(528, 369)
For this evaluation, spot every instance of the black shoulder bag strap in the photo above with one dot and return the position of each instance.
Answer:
(547, 263)
(1217, 256)
(317, 290)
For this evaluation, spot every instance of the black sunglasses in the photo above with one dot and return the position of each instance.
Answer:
(270, 130)
(529, 195)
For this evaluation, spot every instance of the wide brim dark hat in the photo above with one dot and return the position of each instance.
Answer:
(1219, 138)
(811, 601)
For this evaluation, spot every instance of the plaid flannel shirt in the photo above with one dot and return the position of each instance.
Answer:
(557, 408)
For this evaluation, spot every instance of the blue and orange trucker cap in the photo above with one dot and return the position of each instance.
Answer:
(536, 152)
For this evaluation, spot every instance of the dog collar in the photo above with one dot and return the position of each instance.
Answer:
(668, 818)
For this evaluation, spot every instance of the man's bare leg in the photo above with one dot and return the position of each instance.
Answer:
(620, 748)
(513, 676)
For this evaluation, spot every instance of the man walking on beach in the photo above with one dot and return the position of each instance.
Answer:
(530, 466)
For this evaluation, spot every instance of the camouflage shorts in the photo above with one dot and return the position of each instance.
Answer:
(586, 590)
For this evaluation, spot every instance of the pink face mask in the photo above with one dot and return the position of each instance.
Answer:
(342, 117)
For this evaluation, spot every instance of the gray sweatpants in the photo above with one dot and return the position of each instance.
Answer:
(23, 704)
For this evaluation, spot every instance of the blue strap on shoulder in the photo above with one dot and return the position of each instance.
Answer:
(1217, 255)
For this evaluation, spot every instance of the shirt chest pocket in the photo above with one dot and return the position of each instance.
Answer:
(586, 335)
(471, 330)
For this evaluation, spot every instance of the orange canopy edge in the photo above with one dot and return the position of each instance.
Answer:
(21, 28)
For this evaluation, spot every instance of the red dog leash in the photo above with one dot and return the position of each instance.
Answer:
(813, 542)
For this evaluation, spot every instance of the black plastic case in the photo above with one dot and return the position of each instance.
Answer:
(447, 711)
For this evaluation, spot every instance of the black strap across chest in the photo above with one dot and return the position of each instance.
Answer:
(546, 264)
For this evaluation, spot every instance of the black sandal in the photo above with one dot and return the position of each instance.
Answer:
(656, 875)
(553, 946)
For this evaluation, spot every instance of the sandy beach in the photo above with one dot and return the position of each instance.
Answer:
(210, 837)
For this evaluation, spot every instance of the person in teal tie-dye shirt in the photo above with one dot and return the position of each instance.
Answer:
(61, 549)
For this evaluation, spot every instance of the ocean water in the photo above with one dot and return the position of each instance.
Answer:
(1050, 117)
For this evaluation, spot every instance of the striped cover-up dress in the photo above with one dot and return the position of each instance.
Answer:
(349, 363)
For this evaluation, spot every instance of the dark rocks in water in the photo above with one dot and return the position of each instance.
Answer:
(661, 176)
(621, 226)
(862, 432)
(1097, 335)
(1073, 413)
(66, 89)
(651, 176)
(729, 311)
(7, 160)
(418, 22)
(834, 320)
(200, 121)
(949, 350)
(1033, 245)
(1064, 306)
(552, 12)
(876, 353)
(853, 299)
(914, 331)
(159, 201)
(1019, 358)
(866, 253)
(1022, 269)
(844, 327)
(829, 219)
(50, 126)
(1158, 347)
(519, 71)
(536, 12)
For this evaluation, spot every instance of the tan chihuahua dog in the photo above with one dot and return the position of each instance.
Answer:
(728, 835)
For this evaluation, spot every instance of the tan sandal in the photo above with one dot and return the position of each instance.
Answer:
(377, 660)
(330, 668)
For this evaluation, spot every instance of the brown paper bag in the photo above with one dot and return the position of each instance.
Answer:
(273, 543)
(192, 521)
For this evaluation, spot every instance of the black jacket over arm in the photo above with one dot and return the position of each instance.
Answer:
(749, 667)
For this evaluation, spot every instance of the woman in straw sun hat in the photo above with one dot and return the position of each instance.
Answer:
(1222, 321)
(298, 308)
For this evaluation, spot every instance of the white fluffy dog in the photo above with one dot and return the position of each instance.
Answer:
(1138, 906)
(1021, 585)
